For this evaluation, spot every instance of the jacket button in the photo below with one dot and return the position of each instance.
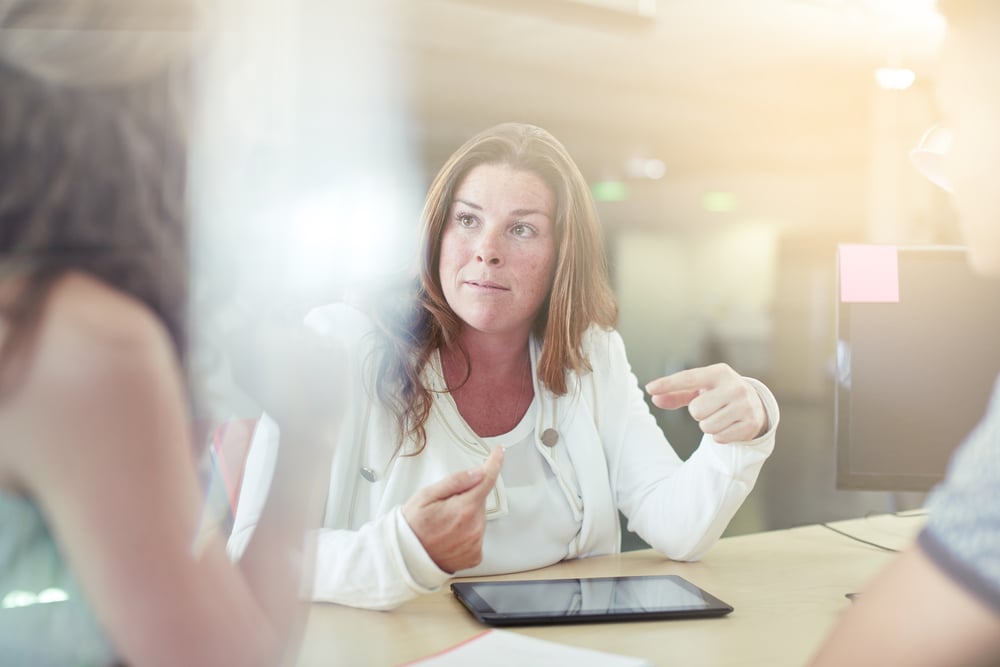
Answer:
(550, 437)
(368, 473)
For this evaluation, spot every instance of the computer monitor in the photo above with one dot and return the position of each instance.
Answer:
(918, 351)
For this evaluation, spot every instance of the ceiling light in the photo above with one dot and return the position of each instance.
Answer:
(895, 78)
(646, 168)
(654, 169)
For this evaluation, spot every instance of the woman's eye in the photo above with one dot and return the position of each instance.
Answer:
(521, 229)
(465, 220)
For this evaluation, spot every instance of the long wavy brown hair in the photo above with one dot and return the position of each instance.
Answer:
(92, 151)
(420, 321)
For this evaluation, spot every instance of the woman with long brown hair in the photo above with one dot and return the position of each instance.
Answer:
(496, 425)
(101, 559)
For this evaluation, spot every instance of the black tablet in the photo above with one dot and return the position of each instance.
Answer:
(602, 599)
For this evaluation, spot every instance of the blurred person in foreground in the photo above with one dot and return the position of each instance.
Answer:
(101, 558)
(938, 603)
(495, 423)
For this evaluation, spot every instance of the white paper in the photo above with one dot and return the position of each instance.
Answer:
(501, 648)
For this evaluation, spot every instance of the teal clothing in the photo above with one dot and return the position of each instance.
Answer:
(44, 619)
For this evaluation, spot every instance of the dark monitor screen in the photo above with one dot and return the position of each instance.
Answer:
(914, 375)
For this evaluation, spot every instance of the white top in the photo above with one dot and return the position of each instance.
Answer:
(533, 490)
(610, 456)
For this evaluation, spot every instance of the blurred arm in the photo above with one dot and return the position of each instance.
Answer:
(914, 614)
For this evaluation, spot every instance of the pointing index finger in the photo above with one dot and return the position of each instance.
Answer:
(690, 380)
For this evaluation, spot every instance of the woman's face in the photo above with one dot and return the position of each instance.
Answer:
(968, 89)
(498, 249)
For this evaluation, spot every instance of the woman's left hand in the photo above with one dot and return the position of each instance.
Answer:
(724, 404)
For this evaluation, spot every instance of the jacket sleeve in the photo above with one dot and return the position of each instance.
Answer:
(257, 473)
(377, 565)
(679, 507)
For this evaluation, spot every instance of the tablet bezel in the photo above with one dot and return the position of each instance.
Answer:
(467, 595)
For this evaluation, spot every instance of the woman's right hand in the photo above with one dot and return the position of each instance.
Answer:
(449, 516)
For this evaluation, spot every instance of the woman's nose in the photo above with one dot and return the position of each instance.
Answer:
(490, 249)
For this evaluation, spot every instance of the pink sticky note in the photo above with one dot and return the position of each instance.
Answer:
(869, 273)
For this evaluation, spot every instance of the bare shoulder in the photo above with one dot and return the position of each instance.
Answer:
(93, 344)
(98, 352)
(91, 330)
(101, 318)
(94, 338)
(97, 359)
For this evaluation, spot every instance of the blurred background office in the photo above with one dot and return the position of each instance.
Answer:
(730, 144)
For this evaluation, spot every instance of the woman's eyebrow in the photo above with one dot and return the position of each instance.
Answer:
(530, 211)
(518, 212)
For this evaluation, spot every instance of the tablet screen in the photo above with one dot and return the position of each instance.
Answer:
(581, 600)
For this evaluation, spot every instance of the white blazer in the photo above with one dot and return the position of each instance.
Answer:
(610, 455)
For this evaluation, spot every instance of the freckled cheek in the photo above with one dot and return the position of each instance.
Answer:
(540, 270)
(452, 256)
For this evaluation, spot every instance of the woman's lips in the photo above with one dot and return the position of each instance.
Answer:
(486, 284)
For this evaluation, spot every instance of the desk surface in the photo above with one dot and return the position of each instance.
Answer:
(787, 588)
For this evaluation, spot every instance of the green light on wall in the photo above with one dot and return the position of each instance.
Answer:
(718, 202)
(609, 191)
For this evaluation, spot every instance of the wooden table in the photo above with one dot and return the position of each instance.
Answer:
(787, 588)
